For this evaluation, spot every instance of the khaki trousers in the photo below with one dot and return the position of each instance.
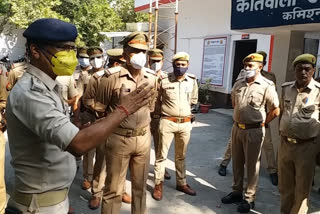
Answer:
(296, 171)
(267, 149)
(3, 195)
(121, 153)
(99, 171)
(246, 152)
(154, 125)
(88, 158)
(181, 133)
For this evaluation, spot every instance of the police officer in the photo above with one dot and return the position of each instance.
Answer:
(129, 145)
(156, 64)
(96, 61)
(69, 89)
(116, 59)
(177, 93)
(299, 130)
(82, 74)
(249, 98)
(267, 144)
(15, 74)
(42, 138)
(3, 99)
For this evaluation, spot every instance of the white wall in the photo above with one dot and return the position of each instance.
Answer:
(210, 18)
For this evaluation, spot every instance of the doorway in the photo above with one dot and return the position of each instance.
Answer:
(242, 49)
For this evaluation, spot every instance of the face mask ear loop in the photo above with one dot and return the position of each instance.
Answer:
(42, 51)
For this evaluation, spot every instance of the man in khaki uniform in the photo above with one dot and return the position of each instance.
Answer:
(177, 93)
(250, 96)
(156, 63)
(89, 102)
(15, 74)
(69, 89)
(3, 99)
(267, 144)
(42, 139)
(129, 145)
(116, 59)
(299, 130)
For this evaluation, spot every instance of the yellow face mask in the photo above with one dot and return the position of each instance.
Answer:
(64, 63)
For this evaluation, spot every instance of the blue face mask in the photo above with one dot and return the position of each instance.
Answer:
(84, 62)
(179, 71)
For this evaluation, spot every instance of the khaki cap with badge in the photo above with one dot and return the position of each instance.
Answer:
(116, 54)
(255, 57)
(138, 40)
(183, 56)
(155, 54)
(305, 58)
(95, 52)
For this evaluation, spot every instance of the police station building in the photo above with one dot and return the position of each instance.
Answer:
(219, 34)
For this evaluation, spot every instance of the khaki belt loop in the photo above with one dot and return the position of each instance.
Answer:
(131, 132)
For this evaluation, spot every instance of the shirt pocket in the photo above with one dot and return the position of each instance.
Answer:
(255, 99)
(171, 94)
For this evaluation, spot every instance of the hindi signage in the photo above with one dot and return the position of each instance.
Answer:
(214, 57)
(270, 13)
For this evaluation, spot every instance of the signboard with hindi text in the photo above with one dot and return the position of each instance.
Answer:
(214, 58)
(248, 14)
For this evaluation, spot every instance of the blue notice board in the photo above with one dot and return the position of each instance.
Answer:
(248, 14)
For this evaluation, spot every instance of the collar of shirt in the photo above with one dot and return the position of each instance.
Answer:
(125, 72)
(172, 77)
(310, 86)
(48, 81)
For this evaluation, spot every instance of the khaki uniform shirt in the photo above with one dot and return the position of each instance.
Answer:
(39, 131)
(300, 110)
(82, 79)
(91, 90)
(108, 95)
(69, 87)
(157, 108)
(176, 97)
(15, 74)
(250, 100)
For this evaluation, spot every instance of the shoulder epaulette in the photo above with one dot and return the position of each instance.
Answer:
(37, 85)
(99, 74)
(149, 71)
(191, 76)
(317, 84)
(287, 84)
(267, 81)
(113, 70)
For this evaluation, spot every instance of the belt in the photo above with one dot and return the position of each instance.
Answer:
(298, 140)
(131, 132)
(155, 116)
(178, 119)
(45, 199)
(250, 126)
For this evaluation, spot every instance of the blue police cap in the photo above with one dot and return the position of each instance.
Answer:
(49, 29)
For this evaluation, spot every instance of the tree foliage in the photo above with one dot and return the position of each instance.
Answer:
(90, 16)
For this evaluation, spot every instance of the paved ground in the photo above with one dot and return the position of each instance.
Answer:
(209, 137)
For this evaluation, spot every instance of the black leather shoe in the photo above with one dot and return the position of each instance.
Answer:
(222, 170)
(274, 179)
(245, 206)
(232, 198)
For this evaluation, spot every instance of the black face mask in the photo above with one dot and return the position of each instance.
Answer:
(179, 71)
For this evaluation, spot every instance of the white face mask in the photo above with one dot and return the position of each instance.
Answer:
(251, 73)
(156, 66)
(84, 62)
(96, 62)
(138, 61)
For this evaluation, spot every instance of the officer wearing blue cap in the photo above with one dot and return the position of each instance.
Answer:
(42, 138)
